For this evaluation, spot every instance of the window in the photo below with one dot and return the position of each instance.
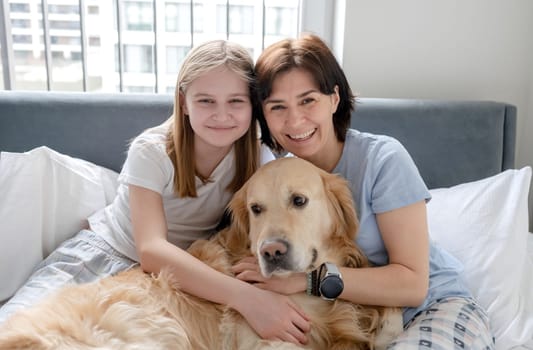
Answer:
(72, 25)
(65, 40)
(280, 20)
(22, 39)
(16, 7)
(175, 55)
(178, 17)
(138, 15)
(94, 41)
(20, 23)
(180, 24)
(63, 9)
(93, 10)
(138, 59)
(241, 19)
(138, 89)
(24, 57)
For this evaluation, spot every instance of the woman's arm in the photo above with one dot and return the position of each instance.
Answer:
(273, 316)
(403, 282)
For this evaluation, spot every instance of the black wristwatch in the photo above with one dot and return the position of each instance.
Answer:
(325, 282)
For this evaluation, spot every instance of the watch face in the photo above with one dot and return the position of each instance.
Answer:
(331, 286)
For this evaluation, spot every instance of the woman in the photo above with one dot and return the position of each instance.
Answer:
(307, 104)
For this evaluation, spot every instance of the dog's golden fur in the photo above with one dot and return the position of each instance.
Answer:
(288, 202)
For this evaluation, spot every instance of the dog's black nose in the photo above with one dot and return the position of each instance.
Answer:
(274, 251)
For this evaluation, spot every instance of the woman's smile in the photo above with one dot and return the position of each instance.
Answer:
(302, 137)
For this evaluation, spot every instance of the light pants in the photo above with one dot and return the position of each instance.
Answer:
(449, 323)
(86, 257)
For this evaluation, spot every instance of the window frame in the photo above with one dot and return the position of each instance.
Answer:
(313, 16)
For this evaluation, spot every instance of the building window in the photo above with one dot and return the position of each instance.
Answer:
(175, 55)
(138, 15)
(280, 20)
(63, 9)
(72, 25)
(178, 17)
(138, 89)
(65, 40)
(24, 57)
(181, 24)
(94, 41)
(20, 23)
(22, 39)
(93, 10)
(241, 19)
(16, 7)
(138, 59)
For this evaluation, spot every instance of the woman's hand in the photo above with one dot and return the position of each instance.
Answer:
(248, 270)
(273, 316)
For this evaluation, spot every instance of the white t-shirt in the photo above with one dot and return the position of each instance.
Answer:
(188, 219)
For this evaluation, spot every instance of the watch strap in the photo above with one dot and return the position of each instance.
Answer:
(313, 283)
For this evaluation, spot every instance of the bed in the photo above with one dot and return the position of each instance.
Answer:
(61, 153)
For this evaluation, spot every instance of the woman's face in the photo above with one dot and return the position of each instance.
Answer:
(300, 117)
(219, 108)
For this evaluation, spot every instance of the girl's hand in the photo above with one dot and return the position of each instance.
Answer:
(248, 270)
(273, 316)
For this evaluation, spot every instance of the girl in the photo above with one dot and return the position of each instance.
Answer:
(176, 181)
(307, 104)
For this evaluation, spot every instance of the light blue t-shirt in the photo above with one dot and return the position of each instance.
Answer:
(383, 177)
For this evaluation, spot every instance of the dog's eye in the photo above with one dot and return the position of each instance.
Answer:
(256, 209)
(299, 201)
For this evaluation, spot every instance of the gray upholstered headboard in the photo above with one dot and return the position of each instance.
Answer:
(451, 141)
(93, 126)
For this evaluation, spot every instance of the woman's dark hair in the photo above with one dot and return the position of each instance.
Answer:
(311, 54)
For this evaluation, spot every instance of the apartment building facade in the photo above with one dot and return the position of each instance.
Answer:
(76, 45)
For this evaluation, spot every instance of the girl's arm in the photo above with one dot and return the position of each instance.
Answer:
(403, 282)
(272, 315)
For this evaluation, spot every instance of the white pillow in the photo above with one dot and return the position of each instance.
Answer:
(46, 198)
(485, 225)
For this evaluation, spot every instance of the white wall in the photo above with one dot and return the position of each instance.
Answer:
(445, 49)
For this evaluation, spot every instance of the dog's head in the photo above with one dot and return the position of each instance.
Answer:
(295, 216)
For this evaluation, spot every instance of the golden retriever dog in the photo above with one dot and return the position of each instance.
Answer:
(290, 206)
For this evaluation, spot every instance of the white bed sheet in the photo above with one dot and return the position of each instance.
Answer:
(528, 287)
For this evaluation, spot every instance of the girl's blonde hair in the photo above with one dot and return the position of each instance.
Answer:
(180, 139)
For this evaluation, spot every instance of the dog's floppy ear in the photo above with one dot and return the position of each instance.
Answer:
(235, 237)
(340, 197)
(346, 223)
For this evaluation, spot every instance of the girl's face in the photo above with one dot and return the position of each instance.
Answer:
(219, 108)
(300, 118)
